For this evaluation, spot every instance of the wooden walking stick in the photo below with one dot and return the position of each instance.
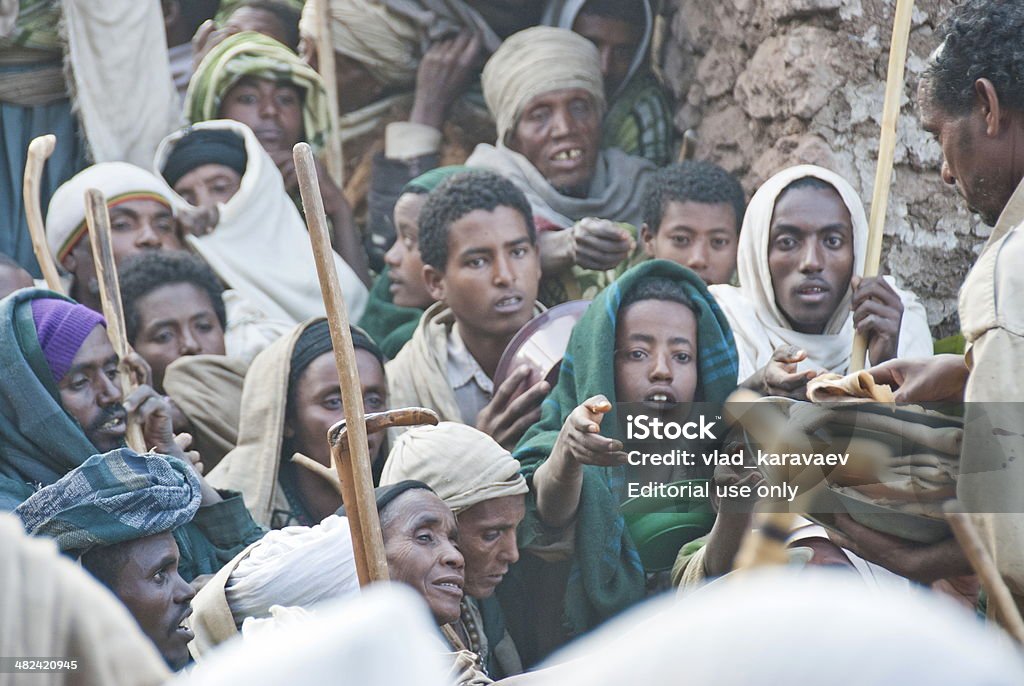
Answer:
(886, 150)
(110, 295)
(353, 465)
(39, 150)
(377, 421)
(325, 65)
(999, 595)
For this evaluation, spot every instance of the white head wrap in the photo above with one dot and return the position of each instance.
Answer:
(463, 466)
(118, 181)
(295, 566)
(368, 32)
(538, 60)
(758, 324)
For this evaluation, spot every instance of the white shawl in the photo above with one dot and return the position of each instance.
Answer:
(758, 324)
(260, 246)
(616, 191)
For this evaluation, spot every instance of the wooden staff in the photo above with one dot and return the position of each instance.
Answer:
(39, 150)
(353, 466)
(886, 150)
(999, 595)
(325, 65)
(377, 421)
(110, 295)
(688, 148)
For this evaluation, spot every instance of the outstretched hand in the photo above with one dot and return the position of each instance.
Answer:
(779, 377)
(941, 378)
(581, 439)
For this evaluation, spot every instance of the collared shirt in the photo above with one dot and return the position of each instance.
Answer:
(473, 388)
(991, 309)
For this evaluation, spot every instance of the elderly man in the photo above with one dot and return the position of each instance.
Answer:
(115, 513)
(61, 402)
(972, 102)
(480, 481)
(545, 90)
(140, 220)
(639, 119)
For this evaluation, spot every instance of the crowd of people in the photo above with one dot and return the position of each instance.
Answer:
(483, 164)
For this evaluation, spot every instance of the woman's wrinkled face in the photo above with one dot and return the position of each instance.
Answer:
(316, 404)
(421, 545)
(272, 109)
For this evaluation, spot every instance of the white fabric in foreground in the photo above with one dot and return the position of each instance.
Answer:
(260, 245)
(759, 326)
(380, 638)
(295, 566)
(800, 628)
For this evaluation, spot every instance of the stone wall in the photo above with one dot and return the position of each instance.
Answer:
(770, 83)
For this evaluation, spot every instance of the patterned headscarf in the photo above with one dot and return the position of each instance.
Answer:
(113, 498)
(253, 54)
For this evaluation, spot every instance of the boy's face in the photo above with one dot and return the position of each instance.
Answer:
(656, 355)
(493, 270)
(700, 236)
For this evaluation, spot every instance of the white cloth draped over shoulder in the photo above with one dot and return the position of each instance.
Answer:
(260, 246)
(758, 324)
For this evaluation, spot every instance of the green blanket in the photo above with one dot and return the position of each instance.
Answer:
(607, 576)
(389, 325)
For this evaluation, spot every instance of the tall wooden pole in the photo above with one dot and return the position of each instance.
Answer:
(353, 464)
(110, 295)
(39, 150)
(999, 596)
(886, 150)
(325, 65)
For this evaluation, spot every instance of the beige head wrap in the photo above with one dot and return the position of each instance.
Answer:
(538, 60)
(463, 466)
(368, 32)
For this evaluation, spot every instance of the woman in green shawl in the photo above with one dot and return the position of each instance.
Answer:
(651, 343)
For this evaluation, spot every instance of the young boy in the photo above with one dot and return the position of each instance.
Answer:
(692, 216)
(479, 248)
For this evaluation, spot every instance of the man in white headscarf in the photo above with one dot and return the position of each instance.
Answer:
(480, 481)
(141, 220)
(546, 92)
(802, 294)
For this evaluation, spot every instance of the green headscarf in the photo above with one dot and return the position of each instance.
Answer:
(39, 440)
(607, 575)
(391, 325)
(253, 54)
